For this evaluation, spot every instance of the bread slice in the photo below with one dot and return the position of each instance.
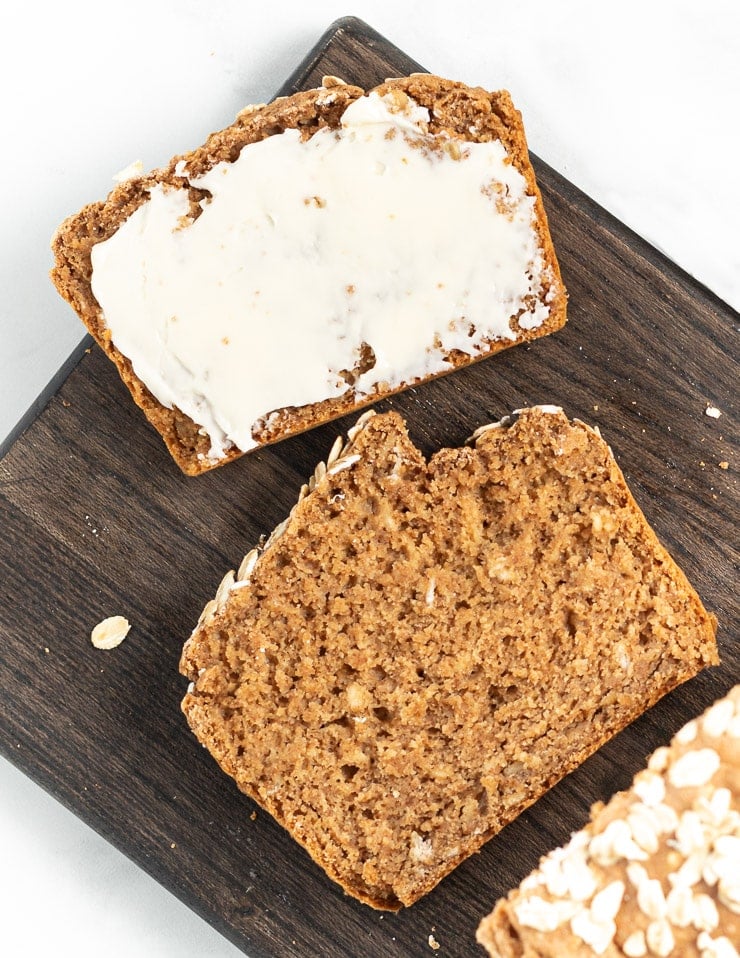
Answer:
(655, 872)
(423, 648)
(241, 306)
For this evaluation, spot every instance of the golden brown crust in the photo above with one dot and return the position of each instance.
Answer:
(455, 109)
(422, 649)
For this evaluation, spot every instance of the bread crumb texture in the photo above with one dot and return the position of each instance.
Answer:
(423, 648)
(655, 872)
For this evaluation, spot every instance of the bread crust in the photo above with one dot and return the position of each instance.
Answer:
(454, 108)
(660, 911)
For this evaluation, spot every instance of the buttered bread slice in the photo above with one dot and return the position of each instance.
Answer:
(423, 648)
(322, 252)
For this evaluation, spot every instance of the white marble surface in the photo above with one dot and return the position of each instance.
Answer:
(634, 102)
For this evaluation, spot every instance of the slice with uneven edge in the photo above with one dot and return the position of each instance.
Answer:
(423, 648)
(656, 872)
(324, 251)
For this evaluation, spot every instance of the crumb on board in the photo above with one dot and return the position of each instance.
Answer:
(713, 412)
(724, 464)
(110, 632)
(433, 943)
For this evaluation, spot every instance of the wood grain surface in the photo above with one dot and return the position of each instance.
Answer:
(97, 520)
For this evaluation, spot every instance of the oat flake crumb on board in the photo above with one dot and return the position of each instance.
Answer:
(110, 632)
(713, 412)
(433, 943)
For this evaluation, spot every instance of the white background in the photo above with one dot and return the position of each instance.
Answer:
(636, 102)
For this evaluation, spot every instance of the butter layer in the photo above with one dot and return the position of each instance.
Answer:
(306, 253)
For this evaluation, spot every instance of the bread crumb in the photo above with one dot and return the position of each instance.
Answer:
(724, 464)
(433, 943)
(253, 816)
(110, 632)
(713, 412)
(421, 849)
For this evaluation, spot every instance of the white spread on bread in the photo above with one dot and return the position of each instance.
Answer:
(378, 233)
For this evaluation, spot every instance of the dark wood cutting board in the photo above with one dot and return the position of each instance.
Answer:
(97, 520)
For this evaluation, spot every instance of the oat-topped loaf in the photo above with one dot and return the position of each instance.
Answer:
(324, 251)
(656, 872)
(423, 648)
